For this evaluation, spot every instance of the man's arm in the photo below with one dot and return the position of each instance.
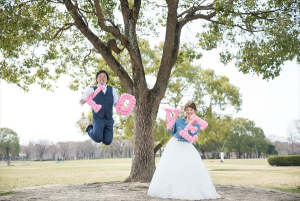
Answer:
(115, 95)
(87, 92)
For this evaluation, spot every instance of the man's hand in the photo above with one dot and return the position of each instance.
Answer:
(91, 95)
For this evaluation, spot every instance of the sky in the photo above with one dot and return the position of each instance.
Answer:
(40, 114)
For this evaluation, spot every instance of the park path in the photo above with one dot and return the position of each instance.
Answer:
(119, 191)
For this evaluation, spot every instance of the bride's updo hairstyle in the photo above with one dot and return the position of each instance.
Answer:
(191, 105)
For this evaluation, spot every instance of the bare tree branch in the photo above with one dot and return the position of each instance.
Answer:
(101, 22)
(87, 11)
(114, 30)
(236, 25)
(64, 28)
(194, 9)
(86, 56)
(192, 16)
(208, 18)
(253, 13)
(156, 4)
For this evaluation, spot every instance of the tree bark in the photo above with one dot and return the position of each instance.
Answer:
(143, 163)
(8, 157)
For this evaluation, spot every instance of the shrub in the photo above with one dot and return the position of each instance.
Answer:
(293, 160)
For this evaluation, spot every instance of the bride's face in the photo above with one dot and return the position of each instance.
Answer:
(189, 111)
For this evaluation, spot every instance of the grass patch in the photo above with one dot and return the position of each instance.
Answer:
(291, 190)
(237, 172)
(6, 193)
(232, 170)
(70, 172)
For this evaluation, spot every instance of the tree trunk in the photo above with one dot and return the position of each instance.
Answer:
(228, 155)
(143, 163)
(8, 158)
(158, 147)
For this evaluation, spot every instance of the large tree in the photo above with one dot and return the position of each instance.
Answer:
(64, 149)
(28, 150)
(42, 147)
(9, 143)
(41, 39)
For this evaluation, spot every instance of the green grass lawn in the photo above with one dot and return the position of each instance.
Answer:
(254, 172)
(238, 172)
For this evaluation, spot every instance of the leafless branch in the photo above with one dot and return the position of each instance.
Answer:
(192, 16)
(111, 29)
(208, 18)
(194, 9)
(236, 25)
(156, 4)
(64, 28)
(111, 22)
(58, 2)
(86, 56)
(254, 13)
(87, 11)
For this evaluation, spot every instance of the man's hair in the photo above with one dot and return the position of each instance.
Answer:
(102, 71)
(191, 105)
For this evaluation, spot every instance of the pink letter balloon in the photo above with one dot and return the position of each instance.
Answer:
(121, 101)
(89, 99)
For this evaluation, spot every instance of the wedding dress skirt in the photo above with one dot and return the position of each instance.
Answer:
(181, 174)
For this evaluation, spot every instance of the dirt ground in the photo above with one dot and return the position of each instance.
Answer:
(119, 191)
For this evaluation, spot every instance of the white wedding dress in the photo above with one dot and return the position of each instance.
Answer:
(181, 174)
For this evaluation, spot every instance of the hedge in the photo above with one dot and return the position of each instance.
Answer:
(293, 160)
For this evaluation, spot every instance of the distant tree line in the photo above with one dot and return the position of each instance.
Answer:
(243, 140)
(47, 150)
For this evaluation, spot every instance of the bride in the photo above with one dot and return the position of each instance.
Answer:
(180, 173)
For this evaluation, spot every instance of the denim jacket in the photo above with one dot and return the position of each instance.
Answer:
(179, 125)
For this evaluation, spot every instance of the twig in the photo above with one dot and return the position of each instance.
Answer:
(84, 60)
(64, 28)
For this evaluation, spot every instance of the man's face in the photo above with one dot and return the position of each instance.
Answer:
(102, 78)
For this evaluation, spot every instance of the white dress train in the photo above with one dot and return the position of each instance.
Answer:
(181, 174)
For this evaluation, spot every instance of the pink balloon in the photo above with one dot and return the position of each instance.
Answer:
(92, 103)
(184, 133)
(119, 107)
